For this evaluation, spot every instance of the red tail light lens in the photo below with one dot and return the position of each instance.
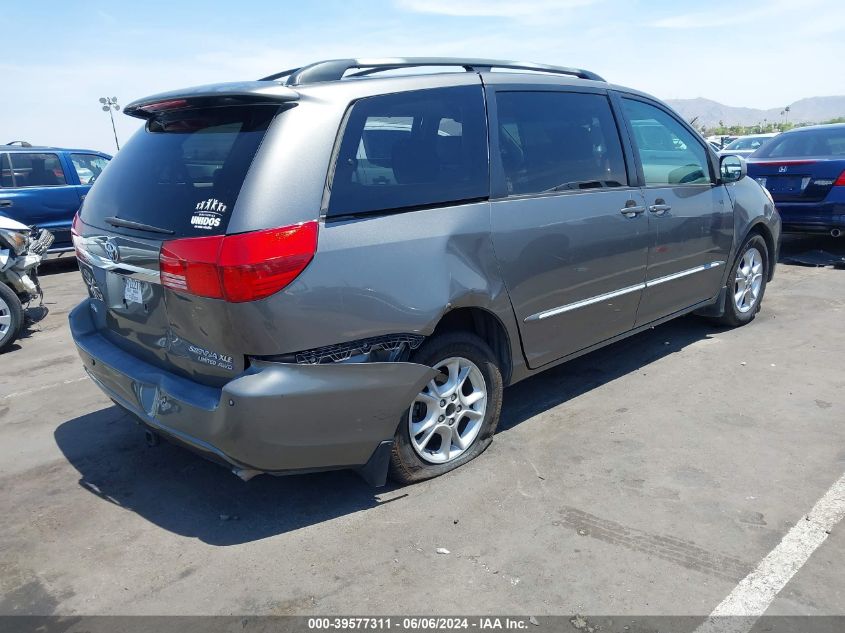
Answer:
(238, 268)
(840, 182)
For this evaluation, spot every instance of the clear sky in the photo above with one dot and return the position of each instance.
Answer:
(60, 57)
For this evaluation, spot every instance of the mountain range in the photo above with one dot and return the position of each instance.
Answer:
(709, 113)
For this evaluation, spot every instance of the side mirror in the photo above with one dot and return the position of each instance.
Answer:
(732, 168)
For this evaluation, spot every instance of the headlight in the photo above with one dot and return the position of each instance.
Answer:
(17, 240)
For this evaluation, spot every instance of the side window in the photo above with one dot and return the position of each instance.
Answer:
(37, 170)
(412, 149)
(5, 172)
(88, 167)
(670, 154)
(558, 141)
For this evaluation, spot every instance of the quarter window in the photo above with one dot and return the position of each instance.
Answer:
(410, 150)
(669, 152)
(36, 170)
(558, 141)
(88, 167)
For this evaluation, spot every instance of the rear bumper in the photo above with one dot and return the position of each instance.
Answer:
(812, 217)
(275, 418)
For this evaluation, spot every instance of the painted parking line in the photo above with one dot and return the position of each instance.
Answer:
(754, 593)
(53, 385)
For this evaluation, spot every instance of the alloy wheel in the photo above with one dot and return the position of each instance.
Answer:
(5, 317)
(749, 280)
(447, 415)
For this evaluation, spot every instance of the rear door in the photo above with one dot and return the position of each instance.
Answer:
(40, 193)
(569, 228)
(180, 177)
(690, 215)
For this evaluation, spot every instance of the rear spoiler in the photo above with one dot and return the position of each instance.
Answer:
(236, 93)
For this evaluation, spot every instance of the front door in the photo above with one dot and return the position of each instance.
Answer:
(690, 216)
(570, 233)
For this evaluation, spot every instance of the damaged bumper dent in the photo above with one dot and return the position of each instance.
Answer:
(275, 418)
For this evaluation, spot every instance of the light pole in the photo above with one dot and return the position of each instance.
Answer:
(108, 105)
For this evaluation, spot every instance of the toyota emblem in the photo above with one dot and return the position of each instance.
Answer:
(112, 251)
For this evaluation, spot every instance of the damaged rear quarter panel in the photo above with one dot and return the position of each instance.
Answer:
(379, 275)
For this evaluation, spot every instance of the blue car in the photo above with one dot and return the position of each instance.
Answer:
(45, 186)
(804, 170)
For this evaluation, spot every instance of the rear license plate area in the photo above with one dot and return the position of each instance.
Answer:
(133, 291)
(787, 184)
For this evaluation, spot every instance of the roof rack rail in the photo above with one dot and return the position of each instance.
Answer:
(335, 69)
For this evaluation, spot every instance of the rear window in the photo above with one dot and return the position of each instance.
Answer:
(36, 170)
(183, 172)
(820, 142)
(412, 150)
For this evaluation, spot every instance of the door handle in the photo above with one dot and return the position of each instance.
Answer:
(5, 203)
(631, 210)
(659, 208)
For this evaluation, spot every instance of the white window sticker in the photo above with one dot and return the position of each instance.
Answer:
(134, 291)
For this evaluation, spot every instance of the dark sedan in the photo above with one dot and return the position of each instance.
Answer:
(804, 170)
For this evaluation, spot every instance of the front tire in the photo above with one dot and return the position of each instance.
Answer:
(453, 419)
(747, 282)
(11, 316)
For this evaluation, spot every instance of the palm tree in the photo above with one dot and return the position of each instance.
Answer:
(786, 119)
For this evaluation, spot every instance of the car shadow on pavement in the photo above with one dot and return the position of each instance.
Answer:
(187, 495)
(580, 375)
(813, 250)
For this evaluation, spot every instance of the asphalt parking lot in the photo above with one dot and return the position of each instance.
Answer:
(647, 478)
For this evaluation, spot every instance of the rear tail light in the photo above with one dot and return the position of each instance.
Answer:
(840, 182)
(238, 268)
(75, 236)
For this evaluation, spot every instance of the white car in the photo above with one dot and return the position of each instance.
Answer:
(747, 145)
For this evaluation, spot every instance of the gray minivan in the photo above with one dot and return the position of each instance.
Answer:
(343, 265)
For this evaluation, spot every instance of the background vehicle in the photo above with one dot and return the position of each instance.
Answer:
(340, 272)
(804, 169)
(44, 186)
(21, 250)
(747, 145)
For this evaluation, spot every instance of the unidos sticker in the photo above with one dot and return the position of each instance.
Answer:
(208, 214)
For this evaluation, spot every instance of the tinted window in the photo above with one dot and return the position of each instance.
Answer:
(183, 172)
(669, 152)
(412, 149)
(36, 170)
(558, 141)
(5, 172)
(819, 142)
(88, 167)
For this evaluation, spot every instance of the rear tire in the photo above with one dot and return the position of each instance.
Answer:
(746, 282)
(11, 316)
(454, 418)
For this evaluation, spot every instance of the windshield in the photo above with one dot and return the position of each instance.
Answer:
(816, 142)
(182, 173)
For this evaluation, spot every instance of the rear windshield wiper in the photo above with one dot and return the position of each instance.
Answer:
(140, 226)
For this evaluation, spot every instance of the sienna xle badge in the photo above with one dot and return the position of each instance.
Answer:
(333, 268)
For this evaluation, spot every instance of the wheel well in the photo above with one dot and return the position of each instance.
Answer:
(763, 231)
(487, 326)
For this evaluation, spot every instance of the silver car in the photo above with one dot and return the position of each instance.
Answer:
(342, 267)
